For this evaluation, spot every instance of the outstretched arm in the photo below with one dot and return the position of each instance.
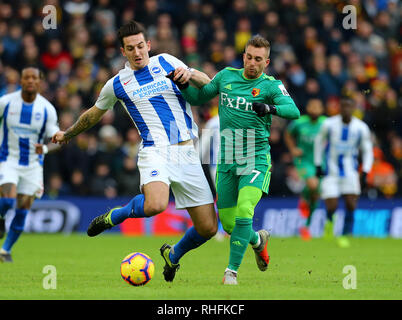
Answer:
(199, 79)
(204, 88)
(87, 120)
(199, 96)
(182, 77)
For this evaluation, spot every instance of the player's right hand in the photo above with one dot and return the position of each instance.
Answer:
(180, 77)
(59, 138)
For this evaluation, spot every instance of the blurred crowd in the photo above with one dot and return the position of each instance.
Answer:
(311, 52)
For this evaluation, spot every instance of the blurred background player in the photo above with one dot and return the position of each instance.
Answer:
(299, 138)
(209, 147)
(338, 142)
(27, 119)
(247, 100)
(167, 157)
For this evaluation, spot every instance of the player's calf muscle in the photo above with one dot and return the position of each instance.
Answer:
(204, 219)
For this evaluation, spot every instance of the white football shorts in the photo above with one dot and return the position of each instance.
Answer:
(29, 180)
(334, 186)
(180, 168)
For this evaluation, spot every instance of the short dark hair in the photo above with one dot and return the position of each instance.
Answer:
(259, 41)
(129, 29)
(347, 95)
(41, 74)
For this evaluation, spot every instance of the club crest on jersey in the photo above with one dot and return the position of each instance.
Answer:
(38, 116)
(255, 92)
(155, 70)
(154, 173)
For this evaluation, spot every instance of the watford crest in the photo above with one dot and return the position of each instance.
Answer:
(255, 92)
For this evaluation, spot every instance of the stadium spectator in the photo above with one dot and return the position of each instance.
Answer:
(11, 82)
(332, 80)
(102, 183)
(55, 55)
(382, 175)
(128, 179)
(132, 144)
(165, 39)
(12, 45)
(79, 185)
(57, 187)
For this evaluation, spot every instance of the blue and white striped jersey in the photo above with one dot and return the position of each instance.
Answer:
(339, 144)
(24, 124)
(152, 101)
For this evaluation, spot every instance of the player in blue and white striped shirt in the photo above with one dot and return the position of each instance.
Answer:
(27, 118)
(339, 142)
(167, 157)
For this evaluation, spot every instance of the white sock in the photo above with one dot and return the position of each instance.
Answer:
(258, 242)
(227, 269)
(4, 251)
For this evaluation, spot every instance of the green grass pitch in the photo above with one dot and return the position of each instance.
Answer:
(88, 268)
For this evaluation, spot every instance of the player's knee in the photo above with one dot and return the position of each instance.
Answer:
(228, 226)
(312, 184)
(207, 227)
(209, 230)
(245, 210)
(154, 208)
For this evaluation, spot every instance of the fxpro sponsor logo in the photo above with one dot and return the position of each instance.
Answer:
(235, 102)
(50, 216)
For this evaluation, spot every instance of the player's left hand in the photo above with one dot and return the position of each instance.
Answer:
(261, 109)
(41, 148)
(180, 76)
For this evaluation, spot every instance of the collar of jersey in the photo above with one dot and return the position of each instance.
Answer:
(128, 67)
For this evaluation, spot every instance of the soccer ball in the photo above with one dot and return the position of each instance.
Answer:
(137, 269)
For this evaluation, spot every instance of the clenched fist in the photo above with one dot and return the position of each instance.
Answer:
(59, 138)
